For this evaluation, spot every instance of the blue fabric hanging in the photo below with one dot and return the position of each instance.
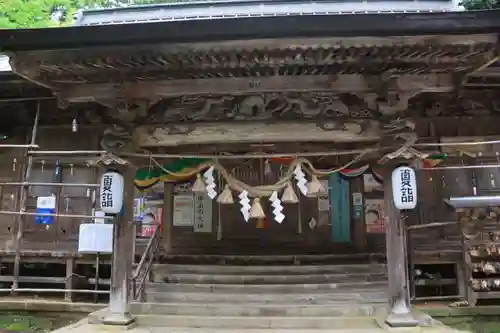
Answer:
(46, 220)
(340, 212)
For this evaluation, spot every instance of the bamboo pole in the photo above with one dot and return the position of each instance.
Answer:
(431, 225)
(41, 290)
(73, 216)
(451, 144)
(258, 155)
(24, 99)
(207, 156)
(23, 194)
(30, 146)
(460, 167)
(66, 152)
(47, 184)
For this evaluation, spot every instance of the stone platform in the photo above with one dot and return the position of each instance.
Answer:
(253, 297)
(158, 318)
(351, 325)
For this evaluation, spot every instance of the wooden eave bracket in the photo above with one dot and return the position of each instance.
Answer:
(406, 86)
(26, 72)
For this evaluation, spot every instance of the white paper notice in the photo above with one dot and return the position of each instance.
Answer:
(183, 210)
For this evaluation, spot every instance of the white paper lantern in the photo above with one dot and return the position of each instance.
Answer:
(404, 188)
(112, 186)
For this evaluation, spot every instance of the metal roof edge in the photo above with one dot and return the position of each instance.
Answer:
(198, 3)
(292, 26)
(255, 8)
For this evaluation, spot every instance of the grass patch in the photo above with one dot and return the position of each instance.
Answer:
(34, 322)
(475, 324)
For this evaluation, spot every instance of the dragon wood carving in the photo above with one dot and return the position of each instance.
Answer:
(328, 111)
(266, 106)
(320, 105)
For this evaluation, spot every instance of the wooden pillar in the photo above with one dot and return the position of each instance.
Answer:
(123, 247)
(358, 214)
(168, 206)
(462, 282)
(70, 278)
(399, 301)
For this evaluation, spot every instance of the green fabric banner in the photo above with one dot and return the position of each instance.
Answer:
(185, 168)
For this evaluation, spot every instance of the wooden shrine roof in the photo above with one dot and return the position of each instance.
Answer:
(109, 57)
(151, 71)
(263, 58)
(280, 46)
(224, 29)
(297, 67)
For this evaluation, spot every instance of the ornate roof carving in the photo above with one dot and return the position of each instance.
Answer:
(305, 59)
(267, 106)
(319, 106)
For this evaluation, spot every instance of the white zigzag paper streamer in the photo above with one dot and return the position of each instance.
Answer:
(300, 177)
(278, 208)
(245, 205)
(209, 178)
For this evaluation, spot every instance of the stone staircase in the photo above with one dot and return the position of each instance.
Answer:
(310, 296)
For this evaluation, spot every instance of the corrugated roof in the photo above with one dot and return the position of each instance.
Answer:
(203, 10)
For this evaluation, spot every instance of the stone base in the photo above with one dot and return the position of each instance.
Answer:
(401, 320)
(118, 319)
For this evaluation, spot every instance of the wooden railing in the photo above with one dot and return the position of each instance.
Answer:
(141, 274)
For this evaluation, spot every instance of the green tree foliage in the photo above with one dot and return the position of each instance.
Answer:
(52, 13)
(34, 13)
(481, 4)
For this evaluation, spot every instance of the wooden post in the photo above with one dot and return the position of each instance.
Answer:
(358, 215)
(168, 206)
(70, 278)
(123, 247)
(23, 197)
(97, 276)
(219, 216)
(461, 281)
(399, 301)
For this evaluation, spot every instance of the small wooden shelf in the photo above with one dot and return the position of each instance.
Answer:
(489, 253)
(487, 294)
(434, 282)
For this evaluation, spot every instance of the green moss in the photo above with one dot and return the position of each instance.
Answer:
(478, 324)
(31, 322)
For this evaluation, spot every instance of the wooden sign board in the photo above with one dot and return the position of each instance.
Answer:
(202, 213)
(183, 210)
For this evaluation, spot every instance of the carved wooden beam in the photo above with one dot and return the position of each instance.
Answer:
(66, 55)
(259, 132)
(353, 83)
(259, 58)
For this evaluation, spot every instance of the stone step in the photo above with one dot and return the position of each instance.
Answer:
(257, 322)
(270, 279)
(248, 310)
(290, 259)
(266, 298)
(276, 330)
(269, 270)
(345, 286)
